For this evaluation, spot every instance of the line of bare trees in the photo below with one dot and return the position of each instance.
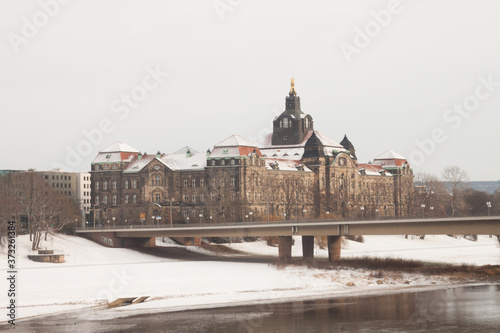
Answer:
(35, 207)
(451, 196)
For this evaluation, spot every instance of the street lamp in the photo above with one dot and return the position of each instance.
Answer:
(423, 210)
(246, 217)
(488, 204)
(171, 222)
(114, 218)
(200, 216)
(284, 216)
(87, 224)
(362, 212)
(304, 213)
(432, 210)
(210, 218)
(250, 213)
(187, 219)
(327, 214)
(159, 220)
(108, 224)
(153, 219)
(376, 213)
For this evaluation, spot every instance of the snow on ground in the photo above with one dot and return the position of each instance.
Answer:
(93, 275)
(441, 248)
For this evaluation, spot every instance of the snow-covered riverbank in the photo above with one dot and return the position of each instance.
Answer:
(93, 274)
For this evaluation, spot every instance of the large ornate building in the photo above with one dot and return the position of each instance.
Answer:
(298, 173)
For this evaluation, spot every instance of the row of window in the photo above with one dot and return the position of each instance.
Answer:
(213, 182)
(56, 185)
(105, 167)
(97, 185)
(114, 199)
(223, 162)
(56, 177)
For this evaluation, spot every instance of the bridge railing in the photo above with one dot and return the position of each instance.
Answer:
(238, 223)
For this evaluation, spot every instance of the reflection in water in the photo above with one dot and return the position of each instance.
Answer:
(471, 309)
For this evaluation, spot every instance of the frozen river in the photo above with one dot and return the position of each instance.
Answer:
(466, 309)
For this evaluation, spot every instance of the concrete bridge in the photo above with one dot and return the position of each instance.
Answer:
(333, 229)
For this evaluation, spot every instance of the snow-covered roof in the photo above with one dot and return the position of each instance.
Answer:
(326, 141)
(185, 150)
(285, 165)
(176, 161)
(193, 161)
(235, 141)
(234, 146)
(119, 146)
(373, 170)
(113, 157)
(284, 153)
(390, 154)
(390, 159)
(137, 164)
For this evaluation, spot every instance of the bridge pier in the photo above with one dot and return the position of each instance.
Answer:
(308, 247)
(334, 246)
(285, 248)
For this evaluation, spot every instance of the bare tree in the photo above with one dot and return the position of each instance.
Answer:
(455, 178)
(45, 209)
(433, 194)
(292, 191)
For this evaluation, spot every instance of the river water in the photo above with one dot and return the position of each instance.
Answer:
(467, 309)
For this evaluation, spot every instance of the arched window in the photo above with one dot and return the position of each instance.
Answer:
(307, 122)
(285, 123)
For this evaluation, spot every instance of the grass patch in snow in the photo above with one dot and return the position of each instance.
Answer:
(381, 266)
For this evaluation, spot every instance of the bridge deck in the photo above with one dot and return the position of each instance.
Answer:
(442, 226)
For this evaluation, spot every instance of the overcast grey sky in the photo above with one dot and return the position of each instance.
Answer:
(419, 77)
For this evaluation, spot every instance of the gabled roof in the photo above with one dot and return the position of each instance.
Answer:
(235, 141)
(116, 153)
(234, 146)
(390, 155)
(119, 147)
(186, 149)
(286, 165)
(373, 170)
(326, 141)
(390, 159)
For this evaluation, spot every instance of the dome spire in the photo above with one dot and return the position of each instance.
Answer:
(292, 87)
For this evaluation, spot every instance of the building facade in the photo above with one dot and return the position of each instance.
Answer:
(74, 186)
(298, 173)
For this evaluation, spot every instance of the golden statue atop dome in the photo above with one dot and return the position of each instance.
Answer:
(292, 87)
